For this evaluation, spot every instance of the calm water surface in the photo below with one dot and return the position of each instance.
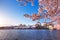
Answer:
(29, 35)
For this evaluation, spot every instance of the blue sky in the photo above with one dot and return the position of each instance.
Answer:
(12, 14)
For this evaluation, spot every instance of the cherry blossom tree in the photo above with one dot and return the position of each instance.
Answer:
(24, 2)
(48, 9)
(53, 10)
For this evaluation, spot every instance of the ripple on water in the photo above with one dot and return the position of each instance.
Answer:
(29, 35)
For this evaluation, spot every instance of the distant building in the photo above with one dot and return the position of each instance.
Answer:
(38, 25)
(21, 26)
(50, 26)
(44, 25)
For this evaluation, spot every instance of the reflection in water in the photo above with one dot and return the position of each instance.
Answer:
(29, 35)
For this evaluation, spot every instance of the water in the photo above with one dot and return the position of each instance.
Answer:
(29, 35)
